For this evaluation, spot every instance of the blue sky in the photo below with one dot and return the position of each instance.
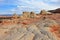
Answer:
(18, 6)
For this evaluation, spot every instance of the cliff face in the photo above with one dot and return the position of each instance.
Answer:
(44, 26)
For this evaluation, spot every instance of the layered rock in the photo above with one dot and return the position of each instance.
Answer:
(30, 27)
(40, 30)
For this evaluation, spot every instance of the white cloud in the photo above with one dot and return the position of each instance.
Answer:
(34, 5)
(38, 4)
(54, 0)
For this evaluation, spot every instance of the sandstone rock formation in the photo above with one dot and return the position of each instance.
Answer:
(32, 15)
(44, 12)
(26, 14)
(35, 31)
(30, 26)
(15, 16)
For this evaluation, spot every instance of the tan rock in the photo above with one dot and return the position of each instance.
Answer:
(28, 36)
(26, 14)
(15, 16)
(44, 12)
(32, 15)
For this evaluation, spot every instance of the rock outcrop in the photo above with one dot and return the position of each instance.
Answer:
(26, 14)
(30, 26)
(32, 15)
(44, 12)
(40, 30)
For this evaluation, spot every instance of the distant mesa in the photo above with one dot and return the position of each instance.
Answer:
(55, 11)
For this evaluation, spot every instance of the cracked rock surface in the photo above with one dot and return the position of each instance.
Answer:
(35, 31)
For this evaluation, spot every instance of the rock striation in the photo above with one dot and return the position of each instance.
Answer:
(40, 30)
(30, 26)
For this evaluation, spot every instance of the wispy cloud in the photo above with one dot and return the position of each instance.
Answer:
(31, 5)
(54, 0)
(35, 4)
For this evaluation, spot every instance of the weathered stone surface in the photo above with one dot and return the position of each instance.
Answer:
(44, 12)
(32, 15)
(27, 36)
(15, 16)
(34, 31)
(28, 27)
(26, 14)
